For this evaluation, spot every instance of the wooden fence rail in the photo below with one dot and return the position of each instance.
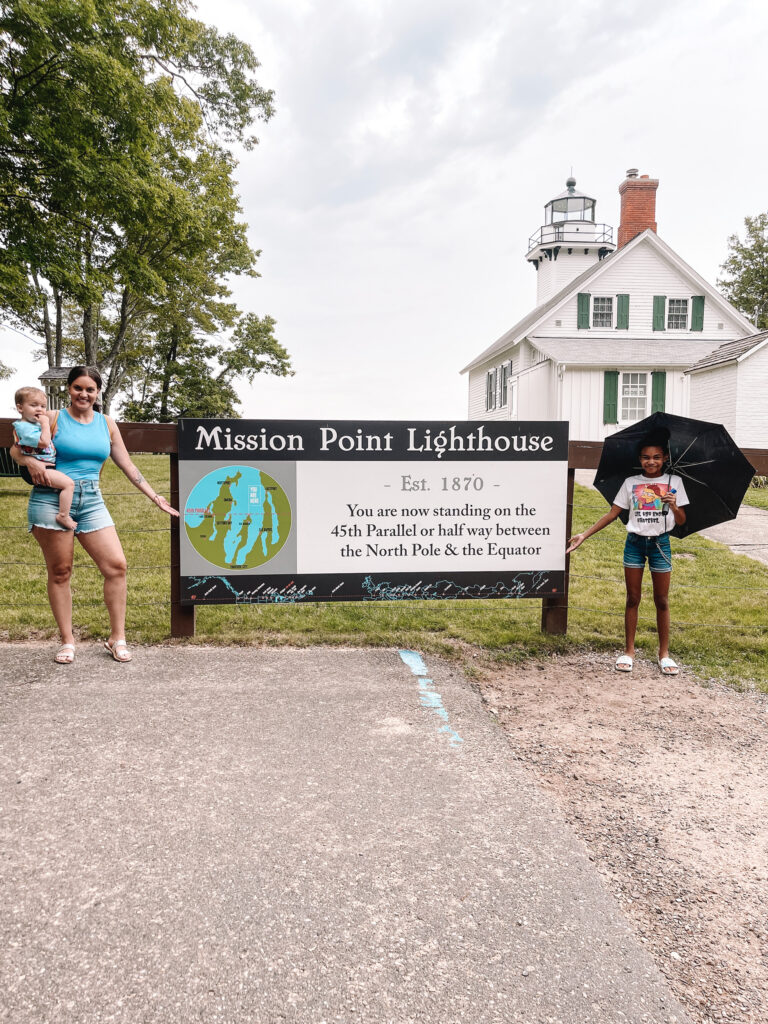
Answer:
(161, 439)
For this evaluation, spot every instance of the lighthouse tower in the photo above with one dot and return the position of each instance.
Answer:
(568, 242)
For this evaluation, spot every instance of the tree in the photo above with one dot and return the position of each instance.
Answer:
(117, 196)
(746, 285)
(174, 376)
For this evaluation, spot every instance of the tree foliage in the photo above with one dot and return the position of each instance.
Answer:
(746, 283)
(181, 374)
(118, 205)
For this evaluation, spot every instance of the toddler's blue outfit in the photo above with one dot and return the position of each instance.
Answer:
(29, 440)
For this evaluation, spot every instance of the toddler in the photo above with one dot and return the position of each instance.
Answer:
(33, 435)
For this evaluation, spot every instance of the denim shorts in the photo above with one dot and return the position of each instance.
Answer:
(88, 508)
(656, 549)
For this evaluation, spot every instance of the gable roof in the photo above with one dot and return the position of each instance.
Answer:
(537, 315)
(514, 334)
(731, 352)
(55, 373)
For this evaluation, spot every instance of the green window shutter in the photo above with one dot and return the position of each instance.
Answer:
(622, 312)
(697, 313)
(659, 308)
(611, 396)
(582, 311)
(658, 391)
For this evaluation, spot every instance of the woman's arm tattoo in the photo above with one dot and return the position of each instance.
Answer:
(138, 478)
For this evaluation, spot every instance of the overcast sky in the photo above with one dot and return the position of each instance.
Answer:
(414, 147)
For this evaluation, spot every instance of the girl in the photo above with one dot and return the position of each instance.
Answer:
(655, 506)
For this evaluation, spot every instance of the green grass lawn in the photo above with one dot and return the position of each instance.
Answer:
(758, 496)
(719, 600)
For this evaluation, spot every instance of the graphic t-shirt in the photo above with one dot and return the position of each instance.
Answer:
(648, 516)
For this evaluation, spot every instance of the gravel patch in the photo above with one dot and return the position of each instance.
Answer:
(666, 781)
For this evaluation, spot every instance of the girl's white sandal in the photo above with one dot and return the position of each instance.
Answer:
(668, 667)
(624, 663)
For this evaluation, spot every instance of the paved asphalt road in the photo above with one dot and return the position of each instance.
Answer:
(240, 835)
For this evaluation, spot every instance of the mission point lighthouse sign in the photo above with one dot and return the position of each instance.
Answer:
(288, 511)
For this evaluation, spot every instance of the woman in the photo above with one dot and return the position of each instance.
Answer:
(84, 439)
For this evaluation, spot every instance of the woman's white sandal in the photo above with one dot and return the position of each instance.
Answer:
(65, 654)
(119, 650)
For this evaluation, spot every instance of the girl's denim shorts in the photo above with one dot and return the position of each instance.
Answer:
(88, 508)
(656, 549)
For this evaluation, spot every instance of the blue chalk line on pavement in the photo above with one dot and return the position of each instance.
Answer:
(428, 696)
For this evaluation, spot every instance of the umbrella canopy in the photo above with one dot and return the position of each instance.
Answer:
(715, 473)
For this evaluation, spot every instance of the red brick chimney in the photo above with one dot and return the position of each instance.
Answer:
(638, 205)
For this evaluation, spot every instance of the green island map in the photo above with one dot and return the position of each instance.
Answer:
(237, 517)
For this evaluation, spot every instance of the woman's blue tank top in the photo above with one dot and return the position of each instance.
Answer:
(81, 448)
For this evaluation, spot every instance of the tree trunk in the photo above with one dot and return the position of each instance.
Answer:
(50, 351)
(107, 395)
(58, 299)
(88, 336)
(165, 389)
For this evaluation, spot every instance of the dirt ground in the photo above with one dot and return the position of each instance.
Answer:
(666, 781)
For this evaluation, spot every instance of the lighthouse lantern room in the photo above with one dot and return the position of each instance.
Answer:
(568, 242)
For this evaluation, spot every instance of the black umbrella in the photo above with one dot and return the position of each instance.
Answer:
(715, 473)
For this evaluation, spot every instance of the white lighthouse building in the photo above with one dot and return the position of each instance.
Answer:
(615, 328)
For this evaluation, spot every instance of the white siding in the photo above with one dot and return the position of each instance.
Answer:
(735, 395)
(582, 401)
(641, 274)
(536, 394)
(529, 356)
(751, 428)
(582, 404)
(578, 397)
(477, 392)
(553, 275)
(713, 395)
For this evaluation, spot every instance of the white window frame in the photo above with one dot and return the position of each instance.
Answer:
(646, 384)
(603, 298)
(491, 382)
(669, 314)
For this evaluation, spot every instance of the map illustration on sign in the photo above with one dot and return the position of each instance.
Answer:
(237, 517)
